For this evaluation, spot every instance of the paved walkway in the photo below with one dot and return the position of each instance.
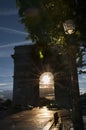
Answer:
(42, 120)
(64, 122)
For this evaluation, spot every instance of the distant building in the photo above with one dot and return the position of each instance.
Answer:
(28, 67)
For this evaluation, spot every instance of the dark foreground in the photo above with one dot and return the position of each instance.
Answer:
(35, 119)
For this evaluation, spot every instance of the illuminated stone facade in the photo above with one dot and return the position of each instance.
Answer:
(27, 71)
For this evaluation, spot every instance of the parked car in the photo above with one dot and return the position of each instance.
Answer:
(52, 106)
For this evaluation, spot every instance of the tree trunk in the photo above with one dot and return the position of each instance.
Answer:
(76, 110)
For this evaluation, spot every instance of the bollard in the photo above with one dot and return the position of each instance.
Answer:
(56, 117)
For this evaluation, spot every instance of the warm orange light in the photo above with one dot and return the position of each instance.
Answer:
(46, 79)
(46, 84)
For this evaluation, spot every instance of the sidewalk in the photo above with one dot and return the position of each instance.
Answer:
(48, 125)
(64, 122)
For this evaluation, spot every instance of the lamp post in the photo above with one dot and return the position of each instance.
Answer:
(69, 29)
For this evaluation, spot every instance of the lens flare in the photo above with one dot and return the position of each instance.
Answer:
(46, 79)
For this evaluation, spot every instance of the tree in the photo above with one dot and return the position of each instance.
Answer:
(76, 110)
(81, 19)
(44, 22)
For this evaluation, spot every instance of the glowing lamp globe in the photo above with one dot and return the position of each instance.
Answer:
(69, 27)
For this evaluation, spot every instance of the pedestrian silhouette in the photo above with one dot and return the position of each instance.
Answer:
(56, 117)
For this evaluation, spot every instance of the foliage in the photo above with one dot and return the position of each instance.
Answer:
(81, 19)
(44, 21)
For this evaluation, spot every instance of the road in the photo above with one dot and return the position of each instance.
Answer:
(35, 119)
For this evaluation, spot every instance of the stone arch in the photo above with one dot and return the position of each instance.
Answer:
(26, 79)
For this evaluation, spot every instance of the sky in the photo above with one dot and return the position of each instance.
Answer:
(13, 33)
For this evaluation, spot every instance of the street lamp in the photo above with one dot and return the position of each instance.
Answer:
(69, 28)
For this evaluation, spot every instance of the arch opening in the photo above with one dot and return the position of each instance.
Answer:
(46, 86)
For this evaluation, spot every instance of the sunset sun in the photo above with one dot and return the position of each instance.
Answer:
(46, 79)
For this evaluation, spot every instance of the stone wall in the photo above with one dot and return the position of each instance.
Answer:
(26, 78)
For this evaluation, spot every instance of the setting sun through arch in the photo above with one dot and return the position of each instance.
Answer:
(46, 85)
(46, 79)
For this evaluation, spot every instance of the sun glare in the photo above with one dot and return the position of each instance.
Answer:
(46, 79)
(46, 85)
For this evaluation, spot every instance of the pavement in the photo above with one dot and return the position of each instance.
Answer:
(38, 119)
(64, 122)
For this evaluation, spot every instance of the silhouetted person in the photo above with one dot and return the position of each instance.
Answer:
(56, 117)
